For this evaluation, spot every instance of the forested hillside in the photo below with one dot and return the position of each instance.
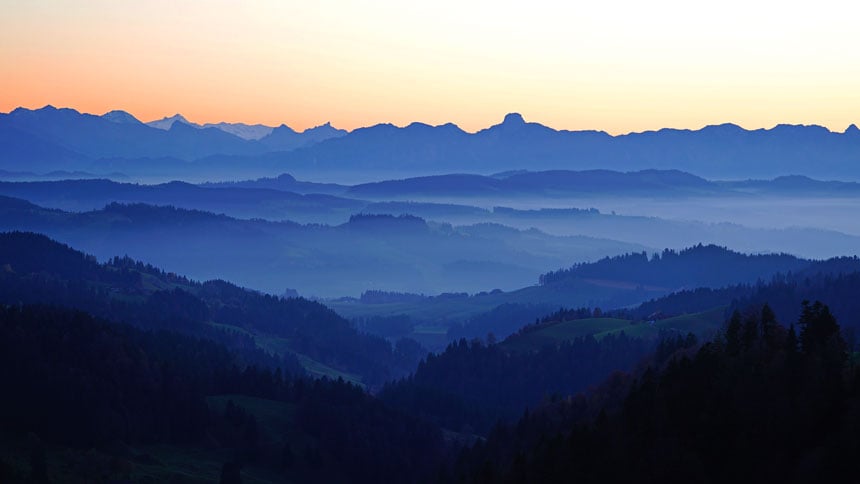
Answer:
(93, 401)
(698, 266)
(37, 270)
(764, 402)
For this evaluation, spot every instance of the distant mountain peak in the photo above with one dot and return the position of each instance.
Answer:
(47, 109)
(176, 117)
(242, 130)
(283, 128)
(723, 127)
(168, 122)
(176, 125)
(514, 119)
(853, 130)
(119, 116)
(326, 128)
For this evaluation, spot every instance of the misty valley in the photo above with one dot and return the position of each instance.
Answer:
(222, 302)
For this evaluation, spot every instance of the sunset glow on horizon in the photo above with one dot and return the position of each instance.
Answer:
(612, 66)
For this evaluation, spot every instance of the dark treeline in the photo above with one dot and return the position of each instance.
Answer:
(394, 223)
(839, 291)
(837, 283)
(701, 265)
(564, 314)
(471, 386)
(37, 270)
(500, 322)
(761, 403)
(375, 296)
(81, 382)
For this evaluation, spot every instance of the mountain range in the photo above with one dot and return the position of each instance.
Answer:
(276, 138)
(64, 139)
(49, 139)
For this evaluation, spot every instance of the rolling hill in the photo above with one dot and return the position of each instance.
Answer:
(366, 252)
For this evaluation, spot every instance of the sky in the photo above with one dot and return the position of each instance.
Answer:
(617, 66)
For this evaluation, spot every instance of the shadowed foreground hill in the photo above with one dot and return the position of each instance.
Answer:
(94, 402)
(570, 351)
(37, 270)
(761, 403)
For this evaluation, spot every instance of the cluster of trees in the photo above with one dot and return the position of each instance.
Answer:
(559, 316)
(835, 281)
(37, 270)
(83, 382)
(760, 403)
(472, 385)
(78, 381)
(700, 265)
(375, 296)
(394, 223)
(311, 328)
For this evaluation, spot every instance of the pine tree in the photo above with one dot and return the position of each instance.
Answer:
(791, 342)
(818, 328)
(750, 332)
(733, 334)
(768, 325)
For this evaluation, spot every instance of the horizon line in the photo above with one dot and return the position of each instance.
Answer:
(510, 113)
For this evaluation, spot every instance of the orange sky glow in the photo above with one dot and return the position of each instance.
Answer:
(618, 66)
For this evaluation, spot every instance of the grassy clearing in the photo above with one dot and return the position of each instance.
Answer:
(701, 324)
(564, 331)
(280, 346)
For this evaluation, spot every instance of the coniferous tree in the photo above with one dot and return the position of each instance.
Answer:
(768, 325)
(733, 334)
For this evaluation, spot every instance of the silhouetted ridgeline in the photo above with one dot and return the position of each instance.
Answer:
(49, 139)
(550, 183)
(36, 270)
(702, 265)
(83, 195)
(383, 297)
(385, 222)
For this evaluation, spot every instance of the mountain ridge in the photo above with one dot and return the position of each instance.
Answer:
(717, 151)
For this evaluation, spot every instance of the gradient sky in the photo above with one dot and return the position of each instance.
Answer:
(615, 66)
